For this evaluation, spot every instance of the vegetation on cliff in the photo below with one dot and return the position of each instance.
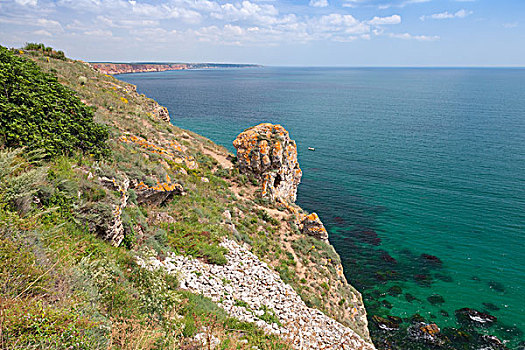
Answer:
(39, 112)
(92, 179)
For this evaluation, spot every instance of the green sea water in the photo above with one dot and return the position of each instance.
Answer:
(407, 162)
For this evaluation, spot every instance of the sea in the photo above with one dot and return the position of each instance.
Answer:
(418, 175)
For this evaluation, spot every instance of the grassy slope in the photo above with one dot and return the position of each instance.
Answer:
(80, 292)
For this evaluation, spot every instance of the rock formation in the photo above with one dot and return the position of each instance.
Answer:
(311, 225)
(120, 68)
(267, 152)
(158, 194)
(105, 219)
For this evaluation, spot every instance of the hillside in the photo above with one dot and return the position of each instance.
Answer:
(119, 230)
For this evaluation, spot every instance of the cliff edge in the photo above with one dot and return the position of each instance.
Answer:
(144, 235)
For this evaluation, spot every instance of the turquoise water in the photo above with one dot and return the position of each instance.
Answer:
(407, 162)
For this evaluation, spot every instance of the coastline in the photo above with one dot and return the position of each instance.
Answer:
(353, 316)
(419, 274)
(111, 68)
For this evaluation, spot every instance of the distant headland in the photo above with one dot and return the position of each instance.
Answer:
(113, 68)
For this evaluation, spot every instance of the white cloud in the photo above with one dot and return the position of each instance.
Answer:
(447, 15)
(318, 3)
(338, 23)
(219, 22)
(42, 32)
(401, 4)
(99, 32)
(353, 3)
(394, 19)
(27, 2)
(408, 36)
(510, 25)
(50, 25)
(247, 11)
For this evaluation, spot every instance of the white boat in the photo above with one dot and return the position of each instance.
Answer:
(311, 149)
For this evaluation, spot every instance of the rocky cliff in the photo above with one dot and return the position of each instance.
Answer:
(165, 242)
(121, 68)
(267, 152)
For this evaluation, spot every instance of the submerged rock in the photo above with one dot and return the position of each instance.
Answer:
(444, 313)
(431, 259)
(491, 306)
(423, 280)
(388, 258)
(417, 318)
(492, 342)
(444, 278)
(409, 297)
(474, 317)
(385, 324)
(386, 304)
(497, 286)
(366, 235)
(457, 335)
(436, 299)
(395, 291)
(267, 152)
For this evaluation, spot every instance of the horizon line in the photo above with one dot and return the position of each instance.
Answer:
(259, 65)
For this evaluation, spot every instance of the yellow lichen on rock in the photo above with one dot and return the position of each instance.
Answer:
(260, 153)
(175, 154)
(313, 226)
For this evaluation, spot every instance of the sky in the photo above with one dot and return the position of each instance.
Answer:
(275, 32)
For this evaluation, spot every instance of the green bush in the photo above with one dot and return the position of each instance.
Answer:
(38, 112)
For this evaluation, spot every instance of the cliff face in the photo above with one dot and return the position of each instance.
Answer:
(167, 217)
(267, 153)
(121, 68)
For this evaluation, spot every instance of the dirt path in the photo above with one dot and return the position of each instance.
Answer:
(221, 158)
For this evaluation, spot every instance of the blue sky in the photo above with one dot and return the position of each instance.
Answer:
(275, 32)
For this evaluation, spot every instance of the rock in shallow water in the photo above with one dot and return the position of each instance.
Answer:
(385, 324)
(474, 317)
(428, 333)
(436, 299)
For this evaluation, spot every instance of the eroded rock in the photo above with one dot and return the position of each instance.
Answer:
(158, 194)
(105, 219)
(311, 225)
(267, 152)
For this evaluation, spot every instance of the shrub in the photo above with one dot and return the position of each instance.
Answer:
(18, 181)
(38, 112)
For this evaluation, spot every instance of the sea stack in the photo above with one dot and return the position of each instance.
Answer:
(267, 152)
